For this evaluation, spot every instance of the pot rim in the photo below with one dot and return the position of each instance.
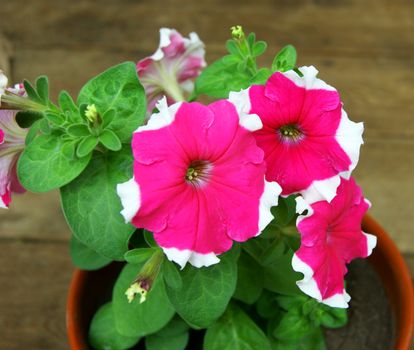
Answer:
(387, 261)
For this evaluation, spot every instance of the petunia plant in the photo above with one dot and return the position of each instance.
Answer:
(235, 220)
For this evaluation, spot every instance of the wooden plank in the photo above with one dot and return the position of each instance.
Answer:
(376, 91)
(34, 216)
(385, 175)
(5, 53)
(34, 280)
(370, 28)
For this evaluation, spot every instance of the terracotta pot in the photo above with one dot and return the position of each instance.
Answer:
(386, 259)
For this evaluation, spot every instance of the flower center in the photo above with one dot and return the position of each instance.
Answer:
(198, 171)
(291, 132)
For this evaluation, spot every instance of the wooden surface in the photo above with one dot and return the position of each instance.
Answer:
(364, 48)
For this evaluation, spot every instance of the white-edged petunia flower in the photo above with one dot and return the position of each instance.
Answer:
(331, 237)
(172, 69)
(308, 140)
(3, 84)
(12, 144)
(198, 181)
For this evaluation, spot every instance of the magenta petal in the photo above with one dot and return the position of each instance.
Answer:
(331, 237)
(196, 218)
(325, 144)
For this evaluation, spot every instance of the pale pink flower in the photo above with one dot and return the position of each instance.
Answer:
(331, 237)
(198, 181)
(3, 83)
(12, 142)
(307, 137)
(172, 69)
(17, 89)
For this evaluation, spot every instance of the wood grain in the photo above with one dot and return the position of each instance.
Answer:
(34, 278)
(364, 48)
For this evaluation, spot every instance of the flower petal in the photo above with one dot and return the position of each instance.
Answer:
(325, 144)
(195, 219)
(331, 237)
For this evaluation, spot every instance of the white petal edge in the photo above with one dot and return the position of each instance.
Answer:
(3, 83)
(2, 204)
(130, 196)
(301, 206)
(309, 286)
(196, 46)
(241, 101)
(165, 40)
(164, 117)
(320, 190)
(349, 137)
(181, 257)
(371, 242)
(269, 198)
(309, 81)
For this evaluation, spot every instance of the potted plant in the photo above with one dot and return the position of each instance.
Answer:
(234, 220)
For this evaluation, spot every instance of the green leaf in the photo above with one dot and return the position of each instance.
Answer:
(92, 207)
(251, 39)
(69, 107)
(25, 119)
(205, 291)
(232, 47)
(267, 306)
(44, 126)
(118, 88)
(68, 149)
(55, 119)
(43, 167)
(42, 87)
(135, 318)
(285, 60)
(249, 280)
(280, 276)
(314, 340)
(78, 130)
(174, 336)
(261, 76)
(31, 92)
(273, 252)
(109, 139)
(259, 48)
(107, 118)
(34, 131)
(221, 77)
(138, 255)
(171, 275)
(86, 146)
(235, 330)
(149, 238)
(331, 317)
(103, 334)
(292, 326)
(285, 211)
(84, 257)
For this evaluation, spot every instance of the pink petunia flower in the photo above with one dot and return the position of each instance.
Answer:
(3, 83)
(12, 143)
(198, 181)
(307, 137)
(172, 69)
(331, 237)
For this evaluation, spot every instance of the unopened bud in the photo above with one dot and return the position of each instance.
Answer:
(91, 113)
(146, 277)
(237, 32)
